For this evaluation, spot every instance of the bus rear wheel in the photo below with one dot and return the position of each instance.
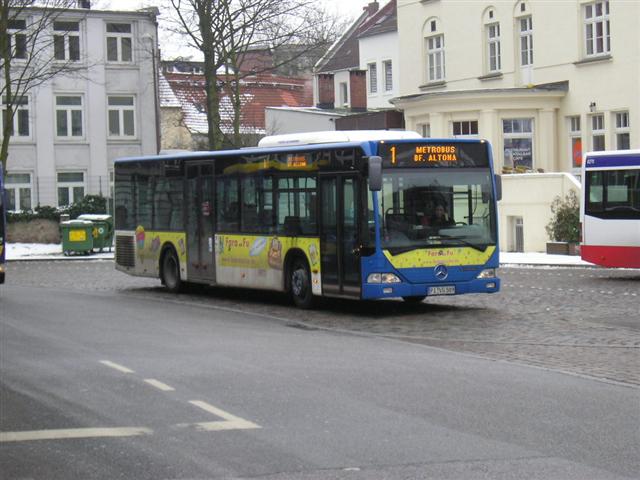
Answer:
(171, 272)
(300, 284)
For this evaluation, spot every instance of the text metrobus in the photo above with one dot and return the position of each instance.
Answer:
(344, 219)
(610, 208)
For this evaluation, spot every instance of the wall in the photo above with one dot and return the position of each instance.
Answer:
(34, 231)
(286, 120)
(379, 48)
(529, 196)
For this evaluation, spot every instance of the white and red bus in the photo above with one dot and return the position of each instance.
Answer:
(610, 208)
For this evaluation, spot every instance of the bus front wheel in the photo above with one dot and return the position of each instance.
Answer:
(300, 284)
(171, 271)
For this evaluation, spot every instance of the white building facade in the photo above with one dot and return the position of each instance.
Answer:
(543, 81)
(75, 125)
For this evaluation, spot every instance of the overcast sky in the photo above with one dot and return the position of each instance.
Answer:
(171, 49)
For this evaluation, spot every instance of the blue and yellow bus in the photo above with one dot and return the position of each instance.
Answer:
(362, 215)
(3, 227)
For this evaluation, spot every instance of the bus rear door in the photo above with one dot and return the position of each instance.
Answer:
(199, 219)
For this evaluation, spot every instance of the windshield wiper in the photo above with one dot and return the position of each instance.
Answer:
(462, 241)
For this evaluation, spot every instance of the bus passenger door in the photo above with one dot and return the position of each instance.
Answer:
(339, 235)
(200, 214)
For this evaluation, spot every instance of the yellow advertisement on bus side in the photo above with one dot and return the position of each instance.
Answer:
(264, 252)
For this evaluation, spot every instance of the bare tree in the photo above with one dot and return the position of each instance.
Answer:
(29, 56)
(226, 30)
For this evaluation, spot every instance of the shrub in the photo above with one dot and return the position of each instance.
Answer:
(565, 220)
(88, 204)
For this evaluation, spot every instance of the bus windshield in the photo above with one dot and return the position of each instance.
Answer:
(434, 208)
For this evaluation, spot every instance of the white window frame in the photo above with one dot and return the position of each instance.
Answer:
(120, 38)
(435, 58)
(526, 40)
(494, 60)
(622, 128)
(21, 109)
(465, 128)
(372, 73)
(69, 110)
(70, 185)
(598, 130)
(596, 16)
(387, 71)
(575, 134)
(344, 94)
(14, 190)
(522, 134)
(121, 110)
(66, 34)
(15, 33)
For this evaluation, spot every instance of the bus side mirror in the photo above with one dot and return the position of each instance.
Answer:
(498, 179)
(375, 174)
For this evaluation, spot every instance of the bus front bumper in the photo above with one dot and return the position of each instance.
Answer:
(404, 289)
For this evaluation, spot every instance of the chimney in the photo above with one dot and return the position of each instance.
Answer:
(86, 4)
(371, 8)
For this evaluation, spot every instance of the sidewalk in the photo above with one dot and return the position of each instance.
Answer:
(37, 251)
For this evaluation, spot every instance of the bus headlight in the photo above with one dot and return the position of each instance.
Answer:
(383, 278)
(1, 268)
(487, 273)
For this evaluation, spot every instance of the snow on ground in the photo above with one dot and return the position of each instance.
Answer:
(38, 251)
(45, 251)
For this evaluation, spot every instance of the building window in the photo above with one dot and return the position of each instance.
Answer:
(526, 41)
(19, 125)
(121, 112)
(70, 187)
(596, 28)
(435, 58)
(387, 66)
(373, 77)
(597, 133)
(17, 38)
(344, 94)
(18, 191)
(493, 47)
(424, 129)
(467, 128)
(622, 131)
(518, 144)
(119, 42)
(69, 116)
(575, 140)
(66, 41)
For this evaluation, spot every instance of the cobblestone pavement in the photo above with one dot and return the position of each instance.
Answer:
(585, 321)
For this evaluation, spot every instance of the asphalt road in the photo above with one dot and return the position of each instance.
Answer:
(105, 376)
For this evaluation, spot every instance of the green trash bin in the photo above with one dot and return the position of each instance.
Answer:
(77, 236)
(102, 230)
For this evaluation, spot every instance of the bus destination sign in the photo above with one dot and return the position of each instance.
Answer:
(432, 154)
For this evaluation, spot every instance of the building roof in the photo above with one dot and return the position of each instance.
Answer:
(344, 54)
(257, 93)
(385, 20)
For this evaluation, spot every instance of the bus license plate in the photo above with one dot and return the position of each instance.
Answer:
(450, 290)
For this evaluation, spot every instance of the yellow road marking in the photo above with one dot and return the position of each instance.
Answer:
(116, 366)
(159, 385)
(73, 433)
